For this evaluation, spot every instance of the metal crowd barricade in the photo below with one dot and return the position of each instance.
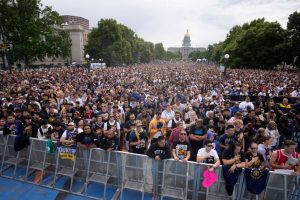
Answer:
(11, 158)
(65, 167)
(38, 159)
(137, 172)
(3, 140)
(134, 172)
(98, 168)
(175, 179)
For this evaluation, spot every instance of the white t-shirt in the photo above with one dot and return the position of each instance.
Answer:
(115, 123)
(170, 123)
(42, 131)
(79, 130)
(167, 115)
(243, 105)
(212, 153)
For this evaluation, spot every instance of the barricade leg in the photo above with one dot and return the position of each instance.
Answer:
(196, 182)
(3, 155)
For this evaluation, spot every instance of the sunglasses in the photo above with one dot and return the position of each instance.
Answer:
(209, 145)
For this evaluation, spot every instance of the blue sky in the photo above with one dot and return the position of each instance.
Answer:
(166, 21)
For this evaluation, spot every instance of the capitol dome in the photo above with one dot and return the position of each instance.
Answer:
(187, 39)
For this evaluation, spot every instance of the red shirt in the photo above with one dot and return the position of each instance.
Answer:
(282, 158)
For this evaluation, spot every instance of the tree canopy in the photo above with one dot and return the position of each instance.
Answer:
(259, 44)
(117, 44)
(33, 31)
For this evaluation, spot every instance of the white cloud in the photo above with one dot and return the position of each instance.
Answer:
(166, 21)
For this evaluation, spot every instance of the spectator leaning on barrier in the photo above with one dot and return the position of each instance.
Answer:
(208, 155)
(286, 158)
(13, 126)
(45, 130)
(253, 158)
(181, 147)
(87, 138)
(110, 141)
(69, 136)
(175, 134)
(159, 150)
(233, 160)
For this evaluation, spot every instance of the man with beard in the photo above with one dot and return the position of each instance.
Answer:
(87, 138)
(110, 141)
(69, 136)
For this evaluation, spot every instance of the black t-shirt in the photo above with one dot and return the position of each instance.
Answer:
(181, 149)
(199, 132)
(140, 148)
(228, 154)
(258, 163)
(156, 150)
(86, 139)
(225, 139)
(107, 143)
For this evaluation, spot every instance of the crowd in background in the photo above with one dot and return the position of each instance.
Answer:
(184, 111)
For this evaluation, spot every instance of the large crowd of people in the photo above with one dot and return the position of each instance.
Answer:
(184, 111)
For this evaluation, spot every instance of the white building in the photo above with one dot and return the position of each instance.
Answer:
(78, 29)
(186, 48)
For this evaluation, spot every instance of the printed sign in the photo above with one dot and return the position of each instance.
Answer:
(67, 153)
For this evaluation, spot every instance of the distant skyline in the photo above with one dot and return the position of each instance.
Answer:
(166, 21)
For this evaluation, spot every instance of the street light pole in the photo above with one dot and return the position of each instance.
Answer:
(87, 56)
(226, 56)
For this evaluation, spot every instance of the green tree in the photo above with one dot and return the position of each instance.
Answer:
(159, 51)
(293, 43)
(33, 31)
(117, 44)
(172, 56)
(258, 44)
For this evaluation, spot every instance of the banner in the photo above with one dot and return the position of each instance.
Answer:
(67, 153)
(256, 180)
(97, 65)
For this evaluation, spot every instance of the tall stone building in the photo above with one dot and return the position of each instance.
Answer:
(186, 47)
(78, 29)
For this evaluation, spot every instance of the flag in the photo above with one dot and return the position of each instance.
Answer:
(230, 178)
(256, 180)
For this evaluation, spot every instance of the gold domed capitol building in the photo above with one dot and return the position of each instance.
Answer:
(186, 48)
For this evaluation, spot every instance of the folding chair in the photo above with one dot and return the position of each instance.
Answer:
(134, 173)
